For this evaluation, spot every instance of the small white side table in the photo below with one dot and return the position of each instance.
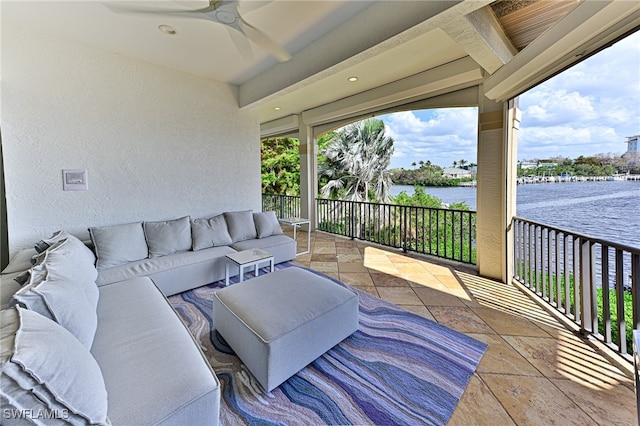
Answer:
(297, 222)
(246, 259)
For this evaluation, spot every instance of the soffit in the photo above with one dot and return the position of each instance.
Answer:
(525, 20)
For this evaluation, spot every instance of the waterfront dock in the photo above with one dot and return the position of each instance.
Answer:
(556, 179)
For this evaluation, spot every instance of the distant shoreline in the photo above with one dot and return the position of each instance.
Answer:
(560, 179)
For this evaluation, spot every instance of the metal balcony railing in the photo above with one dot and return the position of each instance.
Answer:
(445, 233)
(593, 282)
(283, 205)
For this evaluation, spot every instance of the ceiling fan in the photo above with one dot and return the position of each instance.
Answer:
(227, 13)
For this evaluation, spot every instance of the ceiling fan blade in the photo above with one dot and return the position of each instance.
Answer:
(241, 42)
(165, 12)
(263, 40)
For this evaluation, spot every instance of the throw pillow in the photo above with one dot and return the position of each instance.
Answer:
(27, 299)
(64, 301)
(44, 369)
(58, 236)
(210, 232)
(267, 224)
(119, 244)
(64, 260)
(168, 236)
(240, 225)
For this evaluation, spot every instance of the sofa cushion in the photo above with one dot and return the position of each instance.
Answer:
(282, 247)
(20, 262)
(267, 224)
(168, 236)
(25, 296)
(153, 369)
(58, 236)
(65, 302)
(62, 288)
(240, 224)
(210, 232)
(67, 381)
(8, 287)
(119, 244)
(68, 259)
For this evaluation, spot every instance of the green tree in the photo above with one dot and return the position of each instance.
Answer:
(355, 163)
(280, 163)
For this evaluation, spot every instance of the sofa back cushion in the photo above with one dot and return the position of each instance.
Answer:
(267, 224)
(44, 369)
(69, 259)
(240, 225)
(62, 288)
(58, 236)
(168, 236)
(210, 232)
(119, 244)
(65, 302)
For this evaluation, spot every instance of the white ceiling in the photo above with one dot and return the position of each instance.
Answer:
(380, 42)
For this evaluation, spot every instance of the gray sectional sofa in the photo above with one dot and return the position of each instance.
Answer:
(94, 315)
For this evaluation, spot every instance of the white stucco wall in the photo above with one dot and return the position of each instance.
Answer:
(157, 143)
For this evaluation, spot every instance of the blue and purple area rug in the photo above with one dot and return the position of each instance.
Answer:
(397, 369)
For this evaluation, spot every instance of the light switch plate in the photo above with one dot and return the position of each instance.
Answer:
(75, 180)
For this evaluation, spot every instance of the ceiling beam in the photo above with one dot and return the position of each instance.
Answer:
(343, 47)
(280, 126)
(480, 34)
(445, 77)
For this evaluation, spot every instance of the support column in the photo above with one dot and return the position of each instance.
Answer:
(308, 174)
(496, 197)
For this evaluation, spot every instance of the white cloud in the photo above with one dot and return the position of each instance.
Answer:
(586, 110)
(440, 136)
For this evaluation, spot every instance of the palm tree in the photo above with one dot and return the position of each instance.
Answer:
(356, 161)
(462, 163)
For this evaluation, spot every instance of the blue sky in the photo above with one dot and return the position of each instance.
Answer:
(588, 109)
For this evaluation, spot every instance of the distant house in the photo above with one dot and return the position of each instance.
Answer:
(632, 156)
(456, 172)
(531, 165)
(633, 144)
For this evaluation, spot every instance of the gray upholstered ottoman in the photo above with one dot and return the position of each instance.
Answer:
(280, 322)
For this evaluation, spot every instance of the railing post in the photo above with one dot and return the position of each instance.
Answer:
(352, 220)
(621, 324)
(589, 319)
(403, 228)
(635, 289)
(281, 204)
(604, 284)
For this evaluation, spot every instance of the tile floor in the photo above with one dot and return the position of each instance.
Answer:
(535, 371)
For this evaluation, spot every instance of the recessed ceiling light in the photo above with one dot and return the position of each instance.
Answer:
(167, 29)
(276, 108)
(352, 79)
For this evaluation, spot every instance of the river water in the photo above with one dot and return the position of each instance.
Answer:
(609, 210)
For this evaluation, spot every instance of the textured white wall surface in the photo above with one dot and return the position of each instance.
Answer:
(157, 144)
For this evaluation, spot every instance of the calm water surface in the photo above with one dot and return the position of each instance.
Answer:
(607, 210)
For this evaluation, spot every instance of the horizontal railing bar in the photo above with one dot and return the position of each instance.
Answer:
(589, 274)
(584, 236)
